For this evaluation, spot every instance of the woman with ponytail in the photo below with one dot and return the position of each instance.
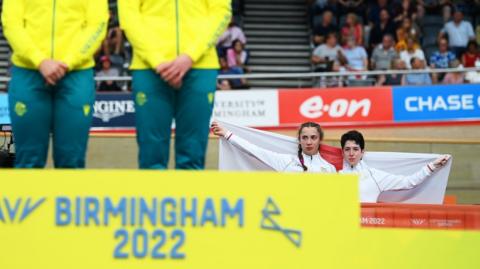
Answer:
(308, 159)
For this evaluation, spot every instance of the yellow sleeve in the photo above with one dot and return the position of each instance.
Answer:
(219, 17)
(17, 36)
(131, 23)
(86, 43)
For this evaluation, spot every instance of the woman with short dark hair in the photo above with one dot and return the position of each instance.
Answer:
(374, 181)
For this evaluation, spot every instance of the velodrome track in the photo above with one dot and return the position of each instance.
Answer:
(119, 150)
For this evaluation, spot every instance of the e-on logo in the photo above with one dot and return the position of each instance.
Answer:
(314, 107)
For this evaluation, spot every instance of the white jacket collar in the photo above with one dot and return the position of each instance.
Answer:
(311, 157)
(347, 168)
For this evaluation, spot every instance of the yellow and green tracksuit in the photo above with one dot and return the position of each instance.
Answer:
(159, 31)
(65, 30)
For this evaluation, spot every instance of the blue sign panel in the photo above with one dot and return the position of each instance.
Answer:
(4, 117)
(114, 110)
(436, 103)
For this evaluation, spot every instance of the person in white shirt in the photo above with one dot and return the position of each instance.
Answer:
(327, 56)
(310, 136)
(459, 33)
(411, 52)
(356, 56)
(372, 181)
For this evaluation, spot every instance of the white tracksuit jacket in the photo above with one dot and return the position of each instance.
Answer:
(281, 162)
(373, 181)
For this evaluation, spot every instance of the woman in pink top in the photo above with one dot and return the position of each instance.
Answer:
(237, 56)
(353, 28)
(454, 77)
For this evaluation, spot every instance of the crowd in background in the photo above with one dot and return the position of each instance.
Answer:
(233, 57)
(361, 35)
(115, 55)
(349, 35)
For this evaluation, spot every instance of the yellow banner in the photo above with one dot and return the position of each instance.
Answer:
(150, 219)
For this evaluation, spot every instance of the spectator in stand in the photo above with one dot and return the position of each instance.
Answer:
(224, 85)
(411, 29)
(353, 28)
(114, 40)
(467, 6)
(471, 55)
(238, 83)
(438, 7)
(477, 32)
(327, 57)
(411, 52)
(447, 8)
(383, 54)
(356, 57)
(237, 56)
(417, 78)
(320, 6)
(348, 6)
(419, 19)
(401, 38)
(440, 59)
(107, 71)
(327, 26)
(459, 33)
(401, 44)
(225, 41)
(473, 76)
(454, 77)
(379, 30)
(393, 79)
(374, 13)
(112, 46)
(404, 9)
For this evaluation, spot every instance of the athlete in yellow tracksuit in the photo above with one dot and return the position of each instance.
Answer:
(174, 75)
(52, 88)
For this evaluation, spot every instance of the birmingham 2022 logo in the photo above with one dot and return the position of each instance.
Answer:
(18, 209)
(162, 212)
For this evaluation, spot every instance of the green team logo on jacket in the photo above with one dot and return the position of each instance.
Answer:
(20, 109)
(86, 110)
(141, 98)
(211, 95)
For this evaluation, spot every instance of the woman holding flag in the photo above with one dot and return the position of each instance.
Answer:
(373, 181)
(308, 159)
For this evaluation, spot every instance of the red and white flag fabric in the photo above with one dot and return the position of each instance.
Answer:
(431, 191)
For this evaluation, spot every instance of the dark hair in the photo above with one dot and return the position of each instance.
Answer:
(330, 35)
(384, 9)
(306, 125)
(353, 135)
(472, 43)
(389, 36)
(237, 41)
(442, 38)
(457, 9)
(413, 60)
